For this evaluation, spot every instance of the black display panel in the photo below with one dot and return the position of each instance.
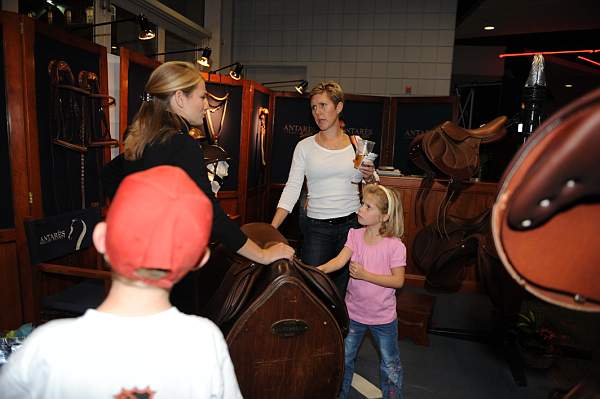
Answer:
(137, 76)
(61, 170)
(292, 122)
(411, 120)
(258, 151)
(365, 119)
(7, 214)
(227, 128)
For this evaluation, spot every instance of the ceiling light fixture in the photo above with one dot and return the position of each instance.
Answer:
(547, 53)
(588, 60)
(146, 32)
(489, 27)
(300, 86)
(235, 72)
(203, 60)
(568, 85)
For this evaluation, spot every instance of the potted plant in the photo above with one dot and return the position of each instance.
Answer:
(537, 342)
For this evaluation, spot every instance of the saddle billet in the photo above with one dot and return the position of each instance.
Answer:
(545, 219)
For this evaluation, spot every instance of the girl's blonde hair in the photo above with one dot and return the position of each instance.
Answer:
(154, 121)
(389, 203)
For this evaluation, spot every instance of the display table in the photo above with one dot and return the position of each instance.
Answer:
(472, 202)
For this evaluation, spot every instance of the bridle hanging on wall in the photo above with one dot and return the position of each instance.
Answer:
(77, 116)
(215, 115)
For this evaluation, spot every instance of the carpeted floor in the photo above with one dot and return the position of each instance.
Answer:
(454, 368)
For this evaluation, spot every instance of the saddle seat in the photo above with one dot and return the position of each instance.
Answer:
(490, 132)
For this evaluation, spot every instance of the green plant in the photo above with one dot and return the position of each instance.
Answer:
(533, 335)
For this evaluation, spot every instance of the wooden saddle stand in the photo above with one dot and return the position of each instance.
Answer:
(442, 248)
(284, 323)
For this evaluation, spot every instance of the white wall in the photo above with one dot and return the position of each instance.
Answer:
(370, 47)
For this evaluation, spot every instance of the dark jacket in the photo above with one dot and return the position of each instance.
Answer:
(183, 151)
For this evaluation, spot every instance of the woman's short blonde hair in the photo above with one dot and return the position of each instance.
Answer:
(333, 90)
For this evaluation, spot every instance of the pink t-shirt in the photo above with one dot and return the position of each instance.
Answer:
(369, 303)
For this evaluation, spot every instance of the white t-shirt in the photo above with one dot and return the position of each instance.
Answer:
(101, 355)
(329, 174)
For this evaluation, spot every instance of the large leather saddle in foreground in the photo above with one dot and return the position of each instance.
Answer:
(546, 219)
(284, 323)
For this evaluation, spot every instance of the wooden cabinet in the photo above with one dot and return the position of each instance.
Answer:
(471, 202)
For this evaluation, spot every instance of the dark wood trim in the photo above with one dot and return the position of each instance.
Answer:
(64, 36)
(123, 93)
(226, 194)
(143, 60)
(222, 79)
(245, 133)
(127, 57)
(8, 235)
(74, 271)
(260, 88)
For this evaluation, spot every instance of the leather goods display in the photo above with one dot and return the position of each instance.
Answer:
(78, 120)
(450, 151)
(287, 315)
(545, 219)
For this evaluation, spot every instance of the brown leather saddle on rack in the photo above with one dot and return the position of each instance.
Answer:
(288, 316)
(94, 115)
(545, 221)
(451, 152)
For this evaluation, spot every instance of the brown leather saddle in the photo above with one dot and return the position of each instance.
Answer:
(545, 221)
(287, 315)
(245, 277)
(451, 152)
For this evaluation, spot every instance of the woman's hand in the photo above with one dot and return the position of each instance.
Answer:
(278, 251)
(357, 271)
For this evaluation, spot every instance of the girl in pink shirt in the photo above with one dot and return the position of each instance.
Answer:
(377, 258)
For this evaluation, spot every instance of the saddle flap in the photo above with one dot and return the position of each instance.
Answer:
(456, 159)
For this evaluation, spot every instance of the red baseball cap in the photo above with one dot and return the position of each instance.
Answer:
(159, 219)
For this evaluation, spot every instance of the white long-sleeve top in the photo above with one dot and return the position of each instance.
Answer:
(328, 175)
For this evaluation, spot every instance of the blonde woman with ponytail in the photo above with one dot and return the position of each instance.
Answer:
(175, 101)
(377, 261)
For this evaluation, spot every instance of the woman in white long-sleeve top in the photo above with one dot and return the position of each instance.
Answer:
(326, 159)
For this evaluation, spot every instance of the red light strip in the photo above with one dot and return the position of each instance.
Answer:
(548, 52)
(588, 60)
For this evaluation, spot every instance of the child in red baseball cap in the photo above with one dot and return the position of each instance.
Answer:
(135, 343)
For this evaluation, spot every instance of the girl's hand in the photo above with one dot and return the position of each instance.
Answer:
(357, 271)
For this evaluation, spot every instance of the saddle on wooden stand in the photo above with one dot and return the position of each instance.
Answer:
(442, 249)
(284, 323)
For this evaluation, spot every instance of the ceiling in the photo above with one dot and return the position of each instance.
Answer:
(534, 26)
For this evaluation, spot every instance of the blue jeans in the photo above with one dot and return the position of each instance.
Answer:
(322, 242)
(390, 367)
